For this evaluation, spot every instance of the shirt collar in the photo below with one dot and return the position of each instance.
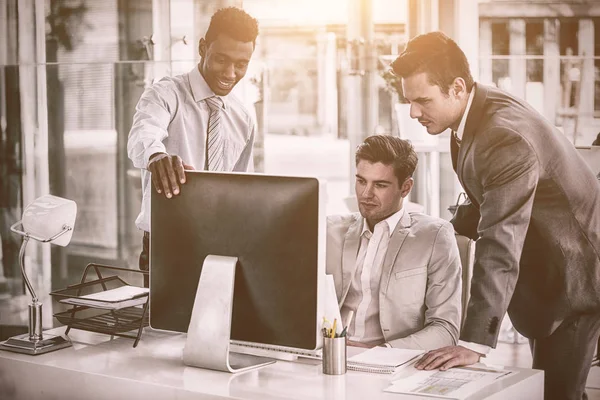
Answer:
(200, 88)
(392, 222)
(461, 127)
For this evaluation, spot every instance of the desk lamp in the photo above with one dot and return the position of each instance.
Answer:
(48, 219)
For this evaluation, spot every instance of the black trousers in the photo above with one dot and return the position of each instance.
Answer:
(566, 357)
(145, 257)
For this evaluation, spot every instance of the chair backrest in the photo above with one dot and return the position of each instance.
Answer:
(466, 249)
(591, 155)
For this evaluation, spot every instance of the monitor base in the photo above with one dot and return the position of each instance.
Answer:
(209, 332)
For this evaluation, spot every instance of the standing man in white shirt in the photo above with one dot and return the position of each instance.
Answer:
(191, 121)
(398, 272)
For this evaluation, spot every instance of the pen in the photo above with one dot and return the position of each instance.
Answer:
(326, 329)
(343, 334)
(348, 322)
(333, 329)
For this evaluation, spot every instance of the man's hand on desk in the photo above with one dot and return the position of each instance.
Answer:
(447, 357)
(168, 173)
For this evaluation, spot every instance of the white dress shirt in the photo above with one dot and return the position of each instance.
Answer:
(172, 116)
(463, 121)
(479, 348)
(363, 294)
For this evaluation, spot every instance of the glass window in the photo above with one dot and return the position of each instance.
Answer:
(500, 47)
(500, 38)
(534, 36)
(597, 64)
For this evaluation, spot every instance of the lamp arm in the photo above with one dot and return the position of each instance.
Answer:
(66, 228)
(34, 297)
(26, 237)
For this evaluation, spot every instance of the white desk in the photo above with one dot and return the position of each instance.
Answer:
(99, 368)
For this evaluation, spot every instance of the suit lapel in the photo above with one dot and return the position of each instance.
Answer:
(396, 241)
(472, 124)
(349, 253)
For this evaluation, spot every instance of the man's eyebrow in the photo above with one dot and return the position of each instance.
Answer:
(378, 181)
(421, 99)
(229, 58)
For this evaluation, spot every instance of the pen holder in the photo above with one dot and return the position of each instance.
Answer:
(334, 355)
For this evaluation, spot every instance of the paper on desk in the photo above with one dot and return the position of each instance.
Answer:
(455, 383)
(113, 299)
(118, 294)
(385, 357)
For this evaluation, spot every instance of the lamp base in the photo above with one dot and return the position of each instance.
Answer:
(22, 344)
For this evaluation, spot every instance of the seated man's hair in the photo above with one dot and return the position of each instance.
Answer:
(438, 56)
(233, 22)
(389, 150)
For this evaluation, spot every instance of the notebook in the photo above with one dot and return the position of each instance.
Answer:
(382, 360)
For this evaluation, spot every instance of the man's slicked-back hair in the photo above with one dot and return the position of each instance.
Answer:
(233, 22)
(438, 56)
(389, 150)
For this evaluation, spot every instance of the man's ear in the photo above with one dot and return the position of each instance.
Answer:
(407, 187)
(202, 47)
(458, 87)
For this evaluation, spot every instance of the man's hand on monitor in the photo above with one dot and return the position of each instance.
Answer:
(168, 173)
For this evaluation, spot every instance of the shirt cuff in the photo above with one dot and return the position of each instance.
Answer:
(476, 347)
(159, 148)
(386, 344)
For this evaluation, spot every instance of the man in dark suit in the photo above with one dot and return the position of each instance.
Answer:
(538, 230)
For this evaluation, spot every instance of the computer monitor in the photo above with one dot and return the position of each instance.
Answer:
(274, 225)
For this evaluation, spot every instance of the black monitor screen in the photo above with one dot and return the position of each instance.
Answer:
(270, 223)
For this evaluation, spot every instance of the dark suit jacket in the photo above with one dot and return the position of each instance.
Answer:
(538, 246)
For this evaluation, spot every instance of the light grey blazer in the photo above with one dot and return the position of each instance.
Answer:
(420, 292)
(538, 247)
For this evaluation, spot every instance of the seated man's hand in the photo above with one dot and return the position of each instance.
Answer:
(167, 173)
(447, 357)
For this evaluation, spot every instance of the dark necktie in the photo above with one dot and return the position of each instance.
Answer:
(454, 146)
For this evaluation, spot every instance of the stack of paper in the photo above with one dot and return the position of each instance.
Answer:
(113, 299)
(382, 360)
(455, 383)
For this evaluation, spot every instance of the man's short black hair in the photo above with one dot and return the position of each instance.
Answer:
(438, 56)
(233, 22)
(389, 150)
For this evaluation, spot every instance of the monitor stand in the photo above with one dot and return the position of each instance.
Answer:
(209, 332)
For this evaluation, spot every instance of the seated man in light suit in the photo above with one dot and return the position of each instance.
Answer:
(399, 272)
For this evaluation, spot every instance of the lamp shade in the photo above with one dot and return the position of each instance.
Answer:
(47, 215)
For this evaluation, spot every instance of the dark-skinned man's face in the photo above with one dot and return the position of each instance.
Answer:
(224, 62)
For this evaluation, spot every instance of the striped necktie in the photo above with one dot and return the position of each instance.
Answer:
(214, 138)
